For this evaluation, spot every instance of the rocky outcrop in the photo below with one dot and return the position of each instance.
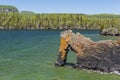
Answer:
(8, 8)
(110, 31)
(101, 56)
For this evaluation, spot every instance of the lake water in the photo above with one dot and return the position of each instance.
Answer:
(31, 54)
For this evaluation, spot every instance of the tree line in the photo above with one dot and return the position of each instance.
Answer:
(15, 20)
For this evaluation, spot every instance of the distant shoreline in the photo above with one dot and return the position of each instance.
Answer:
(100, 32)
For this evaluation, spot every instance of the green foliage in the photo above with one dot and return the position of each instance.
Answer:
(57, 21)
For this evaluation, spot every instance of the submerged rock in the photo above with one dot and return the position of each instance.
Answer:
(101, 56)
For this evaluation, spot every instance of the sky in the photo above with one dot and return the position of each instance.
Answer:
(66, 6)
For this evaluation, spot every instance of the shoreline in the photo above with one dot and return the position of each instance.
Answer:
(99, 33)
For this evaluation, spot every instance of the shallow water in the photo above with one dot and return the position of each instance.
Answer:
(30, 55)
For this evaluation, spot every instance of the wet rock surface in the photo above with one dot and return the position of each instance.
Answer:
(101, 56)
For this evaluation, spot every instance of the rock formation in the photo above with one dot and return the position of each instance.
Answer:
(8, 8)
(101, 56)
(110, 31)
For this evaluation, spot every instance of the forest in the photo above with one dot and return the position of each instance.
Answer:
(16, 20)
(11, 18)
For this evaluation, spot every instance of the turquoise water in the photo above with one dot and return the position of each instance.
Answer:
(31, 54)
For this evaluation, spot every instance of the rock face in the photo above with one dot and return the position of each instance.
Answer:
(101, 56)
(8, 8)
(110, 31)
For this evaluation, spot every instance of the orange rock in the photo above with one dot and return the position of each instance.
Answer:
(63, 46)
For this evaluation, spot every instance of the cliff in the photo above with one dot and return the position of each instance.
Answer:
(8, 8)
(101, 56)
